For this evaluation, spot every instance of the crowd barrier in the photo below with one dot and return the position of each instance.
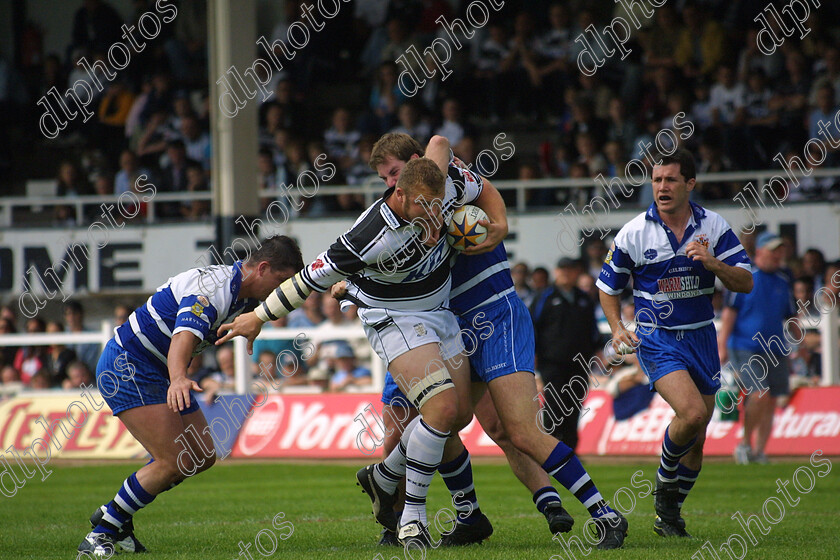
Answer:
(349, 426)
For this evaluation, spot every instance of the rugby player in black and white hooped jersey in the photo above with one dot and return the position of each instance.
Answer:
(396, 260)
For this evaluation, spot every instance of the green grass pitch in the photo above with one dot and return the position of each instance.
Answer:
(207, 517)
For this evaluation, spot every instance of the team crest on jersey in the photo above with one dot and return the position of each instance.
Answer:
(609, 257)
(650, 254)
(319, 263)
(203, 301)
(420, 329)
(197, 309)
(703, 240)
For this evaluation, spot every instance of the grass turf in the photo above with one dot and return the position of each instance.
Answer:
(208, 516)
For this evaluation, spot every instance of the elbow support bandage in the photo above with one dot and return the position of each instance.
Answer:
(286, 298)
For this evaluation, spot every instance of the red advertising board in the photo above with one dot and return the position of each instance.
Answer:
(349, 426)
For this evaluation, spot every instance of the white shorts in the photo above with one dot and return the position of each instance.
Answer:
(393, 333)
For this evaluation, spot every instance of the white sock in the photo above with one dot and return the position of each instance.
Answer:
(424, 452)
(389, 473)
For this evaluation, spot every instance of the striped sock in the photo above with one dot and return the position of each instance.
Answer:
(687, 478)
(125, 504)
(425, 449)
(545, 496)
(670, 458)
(389, 472)
(458, 477)
(565, 467)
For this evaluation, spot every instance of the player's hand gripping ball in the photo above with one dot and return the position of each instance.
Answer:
(464, 229)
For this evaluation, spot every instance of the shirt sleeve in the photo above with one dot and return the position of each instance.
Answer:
(729, 250)
(615, 273)
(468, 185)
(195, 316)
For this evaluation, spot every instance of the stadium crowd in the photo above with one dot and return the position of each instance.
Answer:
(343, 365)
(519, 71)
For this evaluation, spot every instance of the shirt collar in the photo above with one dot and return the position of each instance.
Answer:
(697, 214)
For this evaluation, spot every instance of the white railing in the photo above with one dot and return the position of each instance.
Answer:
(242, 361)
(371, 190)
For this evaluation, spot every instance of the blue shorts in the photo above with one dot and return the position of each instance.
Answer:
(499, 339)
(125, 381)
(695, 350)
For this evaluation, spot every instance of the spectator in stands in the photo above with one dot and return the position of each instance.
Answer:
(341, 140)
(519, 273)
(40, 381)
(129, 173)
(96, 26)
(7, 353)
(753, 59)
(589, 155)
(121, 314)
(78, 374)
(223, 379)
(386, 97)
(700, 113)
(173, 175)
(196, 183)
(814, 267)
(273, 120)
(713, 160)
(265, 369)
(400, 39)
(30, 359)
(596, 251)
(283, 351)
(824, 110)
(553, 51)
(791, 100)
(196, 141)
(113, 113)
(159, 99)
(539, 280)
(8, 312)
(620, 127)
(452, 125)
(70, 180)
(410, 123)
(829, 75)
(157, 133)
(74, 317)
(52, 76)
(9, 375)
(58, 356)
(660, 41)
(346, 372)
(307, 315)
(702, 43)
(361, 172)
(764, 310)
(564, 326)
(186, 49)
(491, 62)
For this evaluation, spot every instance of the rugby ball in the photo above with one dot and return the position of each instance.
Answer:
(464, 230)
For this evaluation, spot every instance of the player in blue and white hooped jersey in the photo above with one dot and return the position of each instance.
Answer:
(674, 252)
(142, 375)
(395, 259)
(498, 335)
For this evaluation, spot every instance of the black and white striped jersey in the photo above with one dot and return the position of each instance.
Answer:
(383, 259)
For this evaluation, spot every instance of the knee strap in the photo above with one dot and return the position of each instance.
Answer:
(434, 383)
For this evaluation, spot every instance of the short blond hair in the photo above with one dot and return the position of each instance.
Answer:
(397, 144)
(422, 176)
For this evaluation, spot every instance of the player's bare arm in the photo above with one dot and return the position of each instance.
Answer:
(727, 323)
(491, 201)
(735, 278)
(178, 359)
(438, 150)
(611, 304)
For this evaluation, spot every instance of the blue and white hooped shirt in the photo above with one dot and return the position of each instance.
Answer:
(670, 290)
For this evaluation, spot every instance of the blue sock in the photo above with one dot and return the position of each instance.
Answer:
(131, 498)
(545, 496)
(458, 477)
(687, 478)
(564, 466)
(670, 458)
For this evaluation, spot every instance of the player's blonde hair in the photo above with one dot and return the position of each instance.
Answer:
(399, 145)
(422, 176)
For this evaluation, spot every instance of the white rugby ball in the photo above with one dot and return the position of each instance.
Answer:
(464, 230)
